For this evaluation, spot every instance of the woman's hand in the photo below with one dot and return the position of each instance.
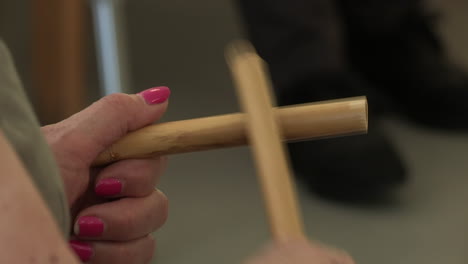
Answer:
(115, 208)
(299, 252)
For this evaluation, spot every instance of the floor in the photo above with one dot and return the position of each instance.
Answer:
(216, 211)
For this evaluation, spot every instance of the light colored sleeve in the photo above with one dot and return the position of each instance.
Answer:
(21, 128)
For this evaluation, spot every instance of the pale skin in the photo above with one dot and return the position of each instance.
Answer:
(22, 209)
(299, 252)
(141, 209)
(128, 221)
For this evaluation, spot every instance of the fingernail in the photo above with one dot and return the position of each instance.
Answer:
(108, 187)
(89, 226)
(82, 249)
(156, 95)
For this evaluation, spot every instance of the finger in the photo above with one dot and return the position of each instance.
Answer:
(130, 178)
(124, 219)
(113, 116)
(301, 252)
(135, 251)
(297, 251)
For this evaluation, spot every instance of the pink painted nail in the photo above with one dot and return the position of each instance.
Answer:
(82, 249)
(89, 226)
(156, 95)
(108, 187)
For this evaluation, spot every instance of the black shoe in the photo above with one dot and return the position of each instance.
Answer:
(352, 169)
(362, 168)
(409, 64)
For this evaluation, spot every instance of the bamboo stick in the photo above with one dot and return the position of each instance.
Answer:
(301, 122)
(274, 173)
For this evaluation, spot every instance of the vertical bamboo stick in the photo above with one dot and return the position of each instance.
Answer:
(254, 93)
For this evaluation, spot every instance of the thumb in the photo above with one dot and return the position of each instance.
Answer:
(113, 116)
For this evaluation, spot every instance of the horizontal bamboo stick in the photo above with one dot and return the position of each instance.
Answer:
(300, 122)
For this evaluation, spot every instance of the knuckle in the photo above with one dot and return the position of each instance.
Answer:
(162, 203)
(138, 171)
(121, 105)
(152, 242)
(143, 176)
(147, 169)
(151, 248)
(127, 221)
(125, 253)
(343, 258)
(348, 259)
(122, 251)
(117, 99)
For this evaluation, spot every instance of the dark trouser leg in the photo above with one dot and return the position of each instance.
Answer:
(377, 15)
(301, 40)
(394, 44)
(295, 37)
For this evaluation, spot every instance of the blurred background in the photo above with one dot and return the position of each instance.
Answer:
(216, 209)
